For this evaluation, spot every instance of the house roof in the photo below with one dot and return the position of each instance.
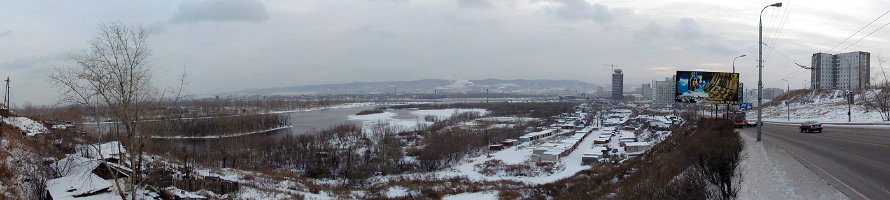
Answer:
(104, 150)
(74, 164)
(637, 144)
(87, 186)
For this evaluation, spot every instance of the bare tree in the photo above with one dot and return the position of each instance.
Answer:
(878, 97)
(114, 75)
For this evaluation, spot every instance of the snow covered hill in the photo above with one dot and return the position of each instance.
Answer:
(431, 86)
(823, 106)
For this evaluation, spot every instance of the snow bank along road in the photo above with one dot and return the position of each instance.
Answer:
(856, 160)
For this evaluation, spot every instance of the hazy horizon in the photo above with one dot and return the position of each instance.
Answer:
(232, 45)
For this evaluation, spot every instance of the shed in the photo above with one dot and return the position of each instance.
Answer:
(636, 147)
(550, 156)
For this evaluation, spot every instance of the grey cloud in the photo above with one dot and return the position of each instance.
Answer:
(5, 33)
(582, 10)
(650, 32)
(33, 62)
(687, 29)
(474, 3)
(687, 33)
(220, 10)
(394, 1)
(373, 31)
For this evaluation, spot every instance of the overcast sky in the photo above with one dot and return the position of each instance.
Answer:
(229, 45)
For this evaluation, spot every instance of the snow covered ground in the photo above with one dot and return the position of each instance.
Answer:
(26, 125)
(828, 107)
(370, 121)
(768, 172)
(473, 196)
(520, 153)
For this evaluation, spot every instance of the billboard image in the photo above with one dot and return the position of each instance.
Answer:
(707, 87)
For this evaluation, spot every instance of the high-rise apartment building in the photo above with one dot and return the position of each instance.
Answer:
(617, 85)
(664, 92)
(842, 71)
(646, 91)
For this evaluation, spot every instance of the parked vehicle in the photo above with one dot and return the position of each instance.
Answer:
(811, 126)
(738, 118)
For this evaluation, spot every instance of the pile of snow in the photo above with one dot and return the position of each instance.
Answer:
(397, 191)
(26, 125)
(474, 196)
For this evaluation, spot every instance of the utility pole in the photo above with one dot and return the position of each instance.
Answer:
(486, 95)
(6, 98)
(849, 105)
(787, 91)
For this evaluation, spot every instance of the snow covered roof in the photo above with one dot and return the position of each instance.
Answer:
(85, 186)
(593, 152)
(599, 148)
(105, 150)
(636, 144)
(627, 135)
(74, 164)
(533, 134)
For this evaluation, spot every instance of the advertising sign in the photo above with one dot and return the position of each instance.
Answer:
(707, 87)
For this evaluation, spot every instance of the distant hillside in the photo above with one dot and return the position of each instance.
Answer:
(431, 85)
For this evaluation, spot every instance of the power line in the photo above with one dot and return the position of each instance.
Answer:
(775, 34)
(863, 28)
(775, 37)
(863, 37)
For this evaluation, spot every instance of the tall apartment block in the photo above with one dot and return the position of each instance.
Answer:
(617, 85)
(841, 71)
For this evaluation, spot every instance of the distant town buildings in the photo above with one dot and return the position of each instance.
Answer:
(841, 71)
(646, 91)
(617, 85)
(768, 94)
(772, 93)
(664, 92)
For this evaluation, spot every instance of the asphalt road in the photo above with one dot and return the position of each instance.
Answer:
(856, 160)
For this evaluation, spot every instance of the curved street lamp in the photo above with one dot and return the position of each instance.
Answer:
(733, 62)
(760, 71)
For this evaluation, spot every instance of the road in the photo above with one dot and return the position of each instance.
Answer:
(856, 160)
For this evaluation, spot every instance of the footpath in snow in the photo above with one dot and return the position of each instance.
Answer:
(768, 172)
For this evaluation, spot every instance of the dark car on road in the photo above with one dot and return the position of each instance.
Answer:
(811, 126)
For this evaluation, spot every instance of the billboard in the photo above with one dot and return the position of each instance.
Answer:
(707, 87)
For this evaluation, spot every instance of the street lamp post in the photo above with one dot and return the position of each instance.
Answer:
(733, 71)
(733, 62)
(760, 71)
